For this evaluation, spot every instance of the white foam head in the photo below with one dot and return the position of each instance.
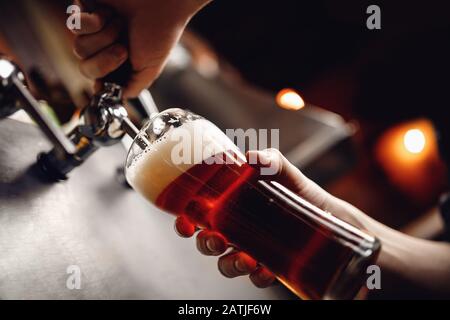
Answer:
(176, 152)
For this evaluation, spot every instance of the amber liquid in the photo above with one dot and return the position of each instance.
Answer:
(228, 198)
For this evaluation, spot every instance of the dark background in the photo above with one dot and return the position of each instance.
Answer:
(324, 49)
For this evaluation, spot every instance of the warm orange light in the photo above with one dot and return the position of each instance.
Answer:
(409, 155)
(289, 99)
(414, 141)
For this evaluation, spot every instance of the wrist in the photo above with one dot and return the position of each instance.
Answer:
(395, 249)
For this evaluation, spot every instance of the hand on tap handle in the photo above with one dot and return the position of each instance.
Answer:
(130, 38)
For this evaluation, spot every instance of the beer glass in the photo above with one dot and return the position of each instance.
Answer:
(188, 167)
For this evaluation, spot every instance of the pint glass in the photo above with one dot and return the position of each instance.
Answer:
(187, 166)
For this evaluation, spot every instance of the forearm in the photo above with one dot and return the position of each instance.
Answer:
(410, 266)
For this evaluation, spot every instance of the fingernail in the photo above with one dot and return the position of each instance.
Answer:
(240, 265)
(212, 245)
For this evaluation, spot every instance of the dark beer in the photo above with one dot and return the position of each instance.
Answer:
(313, 253)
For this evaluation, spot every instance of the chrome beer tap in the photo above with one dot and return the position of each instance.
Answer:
(103, 122)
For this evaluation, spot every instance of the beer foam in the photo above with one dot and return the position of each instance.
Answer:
(153, 170)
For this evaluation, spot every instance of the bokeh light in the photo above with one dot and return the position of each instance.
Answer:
(408, 154)
(289, 99)
(414, 141)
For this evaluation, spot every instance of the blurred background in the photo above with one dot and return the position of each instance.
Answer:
(367, 98)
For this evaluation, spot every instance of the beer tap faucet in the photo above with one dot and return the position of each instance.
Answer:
(103, 122)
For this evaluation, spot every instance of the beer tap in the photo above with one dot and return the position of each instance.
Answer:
(103, 122)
